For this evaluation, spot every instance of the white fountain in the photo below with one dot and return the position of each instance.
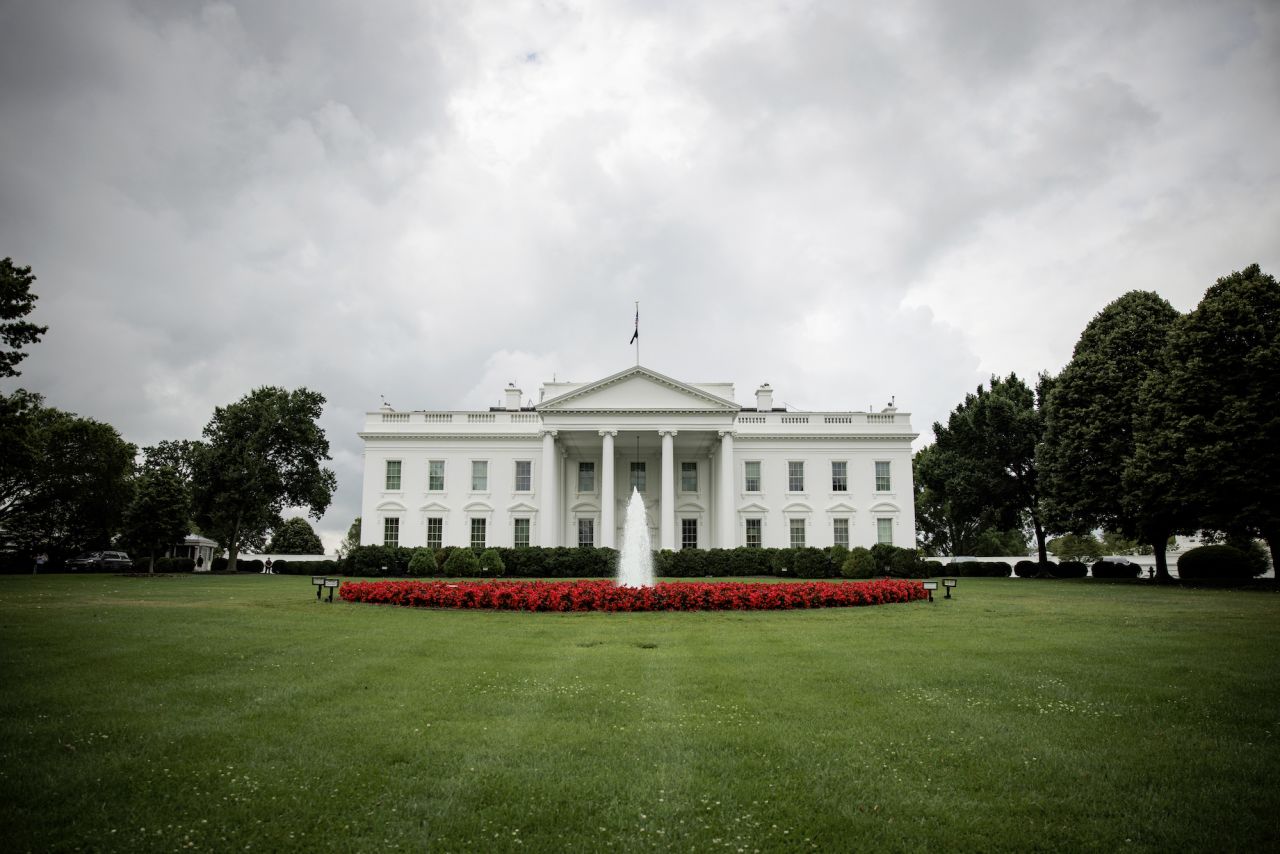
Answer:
(635, 564)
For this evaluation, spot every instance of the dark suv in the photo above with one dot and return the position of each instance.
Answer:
(101, 561)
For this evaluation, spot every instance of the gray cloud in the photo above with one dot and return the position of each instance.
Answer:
(428, 201)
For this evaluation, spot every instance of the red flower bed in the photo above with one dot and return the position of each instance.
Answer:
(606, 596)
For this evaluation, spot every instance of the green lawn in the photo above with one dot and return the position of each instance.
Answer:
(236, 713)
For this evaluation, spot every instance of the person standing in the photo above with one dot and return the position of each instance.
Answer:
(41, 560)
(266, 567)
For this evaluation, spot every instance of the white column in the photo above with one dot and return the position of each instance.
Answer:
(607, 498)
(667, 510)
(726, 524)
(548, 501)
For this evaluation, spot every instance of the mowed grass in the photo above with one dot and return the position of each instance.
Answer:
(236, 713)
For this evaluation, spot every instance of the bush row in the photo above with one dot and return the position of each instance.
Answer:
(564, 562)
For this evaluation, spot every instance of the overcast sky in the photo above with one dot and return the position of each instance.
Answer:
(428, 200)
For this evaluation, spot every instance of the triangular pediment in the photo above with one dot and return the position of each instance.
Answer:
(637, 389)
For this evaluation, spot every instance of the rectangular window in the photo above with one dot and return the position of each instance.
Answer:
(840, 532)
(882, 477)
(479, 475)
(587, 477)
(795, 476)
(524, 475)
(884, 531)
(688, 533)
(521, 537)
(391, 531)
(586, 532)
(688, 477)
(797, 533)
(751, 481)
(435, 476)
(393, 475)
(435, 532)
(839, 476)
(753, 533)
(637, 476)
(478, 527)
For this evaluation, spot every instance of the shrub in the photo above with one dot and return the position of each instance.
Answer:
(167, 564)
(981, 569)
(1069, 569)
(423, 563)
(462, 563)
(491, 564)
(1219, 563)
(379, 560)
(1115, 569)
(810, 563)
(218, 564)
(859, 564)
(308, 567)
(1031, 568)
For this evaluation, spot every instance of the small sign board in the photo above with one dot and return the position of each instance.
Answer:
(331, 582)
(931, 585)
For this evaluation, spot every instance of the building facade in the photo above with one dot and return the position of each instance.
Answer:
(712, 474)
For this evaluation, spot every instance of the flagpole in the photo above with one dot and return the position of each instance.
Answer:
(637, 335)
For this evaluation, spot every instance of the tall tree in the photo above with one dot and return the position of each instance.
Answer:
(351, 540)
(260, 455)
(71, 489)
(989, 445)
(16, 302)
(1089, 431)
(159, 515)
(295, 537)
(945, 525)
(1210, 436)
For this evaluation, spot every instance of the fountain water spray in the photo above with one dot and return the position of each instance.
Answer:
(635, 564)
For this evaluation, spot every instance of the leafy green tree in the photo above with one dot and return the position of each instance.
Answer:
(350, 541)
(260, 455)
(73, 482)
(159, 515)
(986, 464)
(1118, 544)
(1076, 547)
(944, 526)
(1089, 443)
(16, 302)
(295, 537)
(1211, 437)
(993, 543)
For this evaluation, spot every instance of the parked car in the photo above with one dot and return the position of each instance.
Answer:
(110, 561)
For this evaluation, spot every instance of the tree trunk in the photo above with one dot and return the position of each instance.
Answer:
(1159, 543)
(151, 561)
(1040, 540)
(233, 546)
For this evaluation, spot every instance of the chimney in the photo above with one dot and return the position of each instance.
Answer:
(764, 398)
(513, 397)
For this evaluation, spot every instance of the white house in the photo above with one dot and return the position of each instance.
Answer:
(712, 473)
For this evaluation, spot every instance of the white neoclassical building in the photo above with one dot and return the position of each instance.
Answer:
(713, 474)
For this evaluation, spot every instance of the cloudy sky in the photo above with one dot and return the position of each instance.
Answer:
(428, 200)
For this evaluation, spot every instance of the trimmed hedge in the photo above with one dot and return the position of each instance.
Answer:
(980, 569)
(1069, 569)
(1030, 568)
(1112, 569)
(1219, 563)
(306, 567)
(569, 562)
